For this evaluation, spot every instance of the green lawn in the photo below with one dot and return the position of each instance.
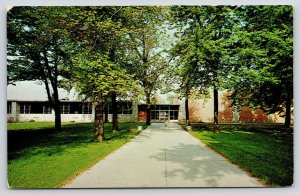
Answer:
(40, 157)
(32, 125)
(29, 125)
(266, 151)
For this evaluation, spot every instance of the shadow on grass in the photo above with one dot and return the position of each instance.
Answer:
(266, 150)
(48, 141)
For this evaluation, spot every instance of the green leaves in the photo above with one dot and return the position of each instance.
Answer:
(248, 49)
(96, 73)
(203, 47)
(265, 55)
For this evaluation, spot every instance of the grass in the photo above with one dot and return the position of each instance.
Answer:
(266, 151)
(41, 157)
(30, 125)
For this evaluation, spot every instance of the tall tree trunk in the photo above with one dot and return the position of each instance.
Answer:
(99, 122)
(57, 115)
(56, 109)
(114, 111)
(148, 110)
(216, 110)
(187, 115)
(112, 56)
(287, 122)
(53, 82)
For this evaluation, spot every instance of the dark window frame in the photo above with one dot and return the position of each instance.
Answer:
(63, 110)
(25, 108)
(47, 109)
(89, 109)
(9, 105)
(123, 108)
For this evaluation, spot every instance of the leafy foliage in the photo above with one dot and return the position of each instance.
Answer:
(247, 49)
(263, 55)
(145, 43)
(36, 49)
(96, 73)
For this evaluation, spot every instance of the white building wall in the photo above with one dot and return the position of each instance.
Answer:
(14, 115)
(181, 112)
(80, 118)
(35, 117)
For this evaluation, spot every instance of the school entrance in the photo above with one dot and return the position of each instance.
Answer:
(159, 113)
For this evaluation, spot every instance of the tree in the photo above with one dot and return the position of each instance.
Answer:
(203, 47)
(102, 29)
(95, 37)
(146, 48)
(264, 52)
(94, 75)
(36, 50)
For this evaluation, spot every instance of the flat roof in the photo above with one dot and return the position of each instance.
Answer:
(35, 91)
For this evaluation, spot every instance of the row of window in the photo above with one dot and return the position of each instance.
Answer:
(164, 115)
(67, 108)
(123, 108)
(75, 108)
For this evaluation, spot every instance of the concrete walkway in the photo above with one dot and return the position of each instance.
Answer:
(163, 156)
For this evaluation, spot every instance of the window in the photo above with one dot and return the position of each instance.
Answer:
(173, 115)
(174, 107)
(164, 107)
(154, 115)
(163, 115)
(86, 108)
(37, 107)
(8, 107)
(164, 112)
(174, 112)
(75, 108)
(65, 108)
(123, 108)
(47, 110)
(127, 108)
(25, 108)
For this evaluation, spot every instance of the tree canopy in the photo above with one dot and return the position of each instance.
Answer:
(115, 51)
(263, 59)
(36, 49)
(246, 49)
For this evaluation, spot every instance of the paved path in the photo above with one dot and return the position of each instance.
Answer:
(163, 157)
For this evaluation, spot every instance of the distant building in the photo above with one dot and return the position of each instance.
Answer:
(27, 101)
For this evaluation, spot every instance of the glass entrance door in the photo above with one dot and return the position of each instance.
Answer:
(164, 115)
(161, 113)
